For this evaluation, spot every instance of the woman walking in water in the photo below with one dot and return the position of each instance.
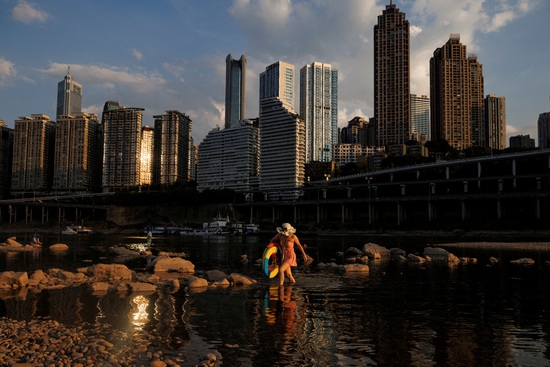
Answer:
(286, 240)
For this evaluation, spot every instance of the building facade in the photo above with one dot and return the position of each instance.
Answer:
(522, 142)
(420, 116)
(456, 84)
(495, 122)
(33, 154)
(69, 96)
(235, 91)
(278, 81)
(121, 146)
(172, 148)
(6, 155)
(392, 76)
(543, 129)
(146, 161)
(319, 109)
(78, 153)
(230, 158)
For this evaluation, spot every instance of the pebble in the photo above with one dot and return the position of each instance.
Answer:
(43, 342)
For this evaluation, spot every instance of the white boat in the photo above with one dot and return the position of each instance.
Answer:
(222, 226)
(73, 229)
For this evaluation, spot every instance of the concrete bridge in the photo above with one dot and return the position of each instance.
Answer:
(490, 189)
(508, 187)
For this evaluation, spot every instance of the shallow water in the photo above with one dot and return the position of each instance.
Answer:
(397, 315)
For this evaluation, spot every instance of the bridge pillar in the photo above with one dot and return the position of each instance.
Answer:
(537, 208)
(499, 209)
(343, 210)
(295, 213)
(464, 210)
(398, 213)
(60, 215)
(28, 214)
(44, 215)
(13, 214)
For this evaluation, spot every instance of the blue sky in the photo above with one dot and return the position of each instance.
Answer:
(170, 54)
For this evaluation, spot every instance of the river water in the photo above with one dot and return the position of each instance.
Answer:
(396, 315)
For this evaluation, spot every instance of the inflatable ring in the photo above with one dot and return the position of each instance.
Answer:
(271, 260)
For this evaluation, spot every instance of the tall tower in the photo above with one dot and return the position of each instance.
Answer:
(235, 91)
(282, 144)
(420, 115)
(456, 83)
(319, 109)
(278, 81)
(78, 147)
(146, 159)
(543, 129)
(172, 148)
(69, 96)
(33, 154)
(121, 146)
(392, 77)
(495, 122)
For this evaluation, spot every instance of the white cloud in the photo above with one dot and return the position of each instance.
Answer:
(138, 55)
(26, 12)
(7, 70)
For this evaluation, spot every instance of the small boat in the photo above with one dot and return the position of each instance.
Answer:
(73, 229)
(222, 226)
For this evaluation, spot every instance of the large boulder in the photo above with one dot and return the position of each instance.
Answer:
(356, 268)
(376, 252)
(440, 254)
(165, 264)
(59, 247)
(239, 279)
(12, 279)
(109, 272)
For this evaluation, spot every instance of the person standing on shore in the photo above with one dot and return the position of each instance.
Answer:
(286, 240)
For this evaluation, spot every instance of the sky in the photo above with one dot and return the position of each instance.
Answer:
(170, 54)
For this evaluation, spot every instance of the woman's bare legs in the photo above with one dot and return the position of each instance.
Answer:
(282, 271)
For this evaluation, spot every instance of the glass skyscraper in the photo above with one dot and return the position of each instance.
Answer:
(235, 91)
(319, 109)
(69, 96)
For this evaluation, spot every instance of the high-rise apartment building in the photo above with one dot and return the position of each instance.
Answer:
(543, 128)
(230, 158)
(495, 122)
(121, 146)
(33, 154)
(146, 161)
(278, 81)
(456, 84)
(477, 102)
(69, 96)
(78, 153)
(235, 91)
(172, 148)
(282, 144)
(420, 115)
(392, 77)
(6, 155)
(319, 109)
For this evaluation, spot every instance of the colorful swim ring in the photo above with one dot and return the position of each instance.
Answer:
(271, 260)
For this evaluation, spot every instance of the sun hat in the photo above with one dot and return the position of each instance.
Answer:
(286, 229)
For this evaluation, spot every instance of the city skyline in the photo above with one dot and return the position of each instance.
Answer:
(136, 60)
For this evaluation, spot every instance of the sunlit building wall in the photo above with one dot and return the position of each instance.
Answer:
(146, 164)
(78, 153)
(495, 122)
(33, 154)
(121, 146)
(319, 109)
